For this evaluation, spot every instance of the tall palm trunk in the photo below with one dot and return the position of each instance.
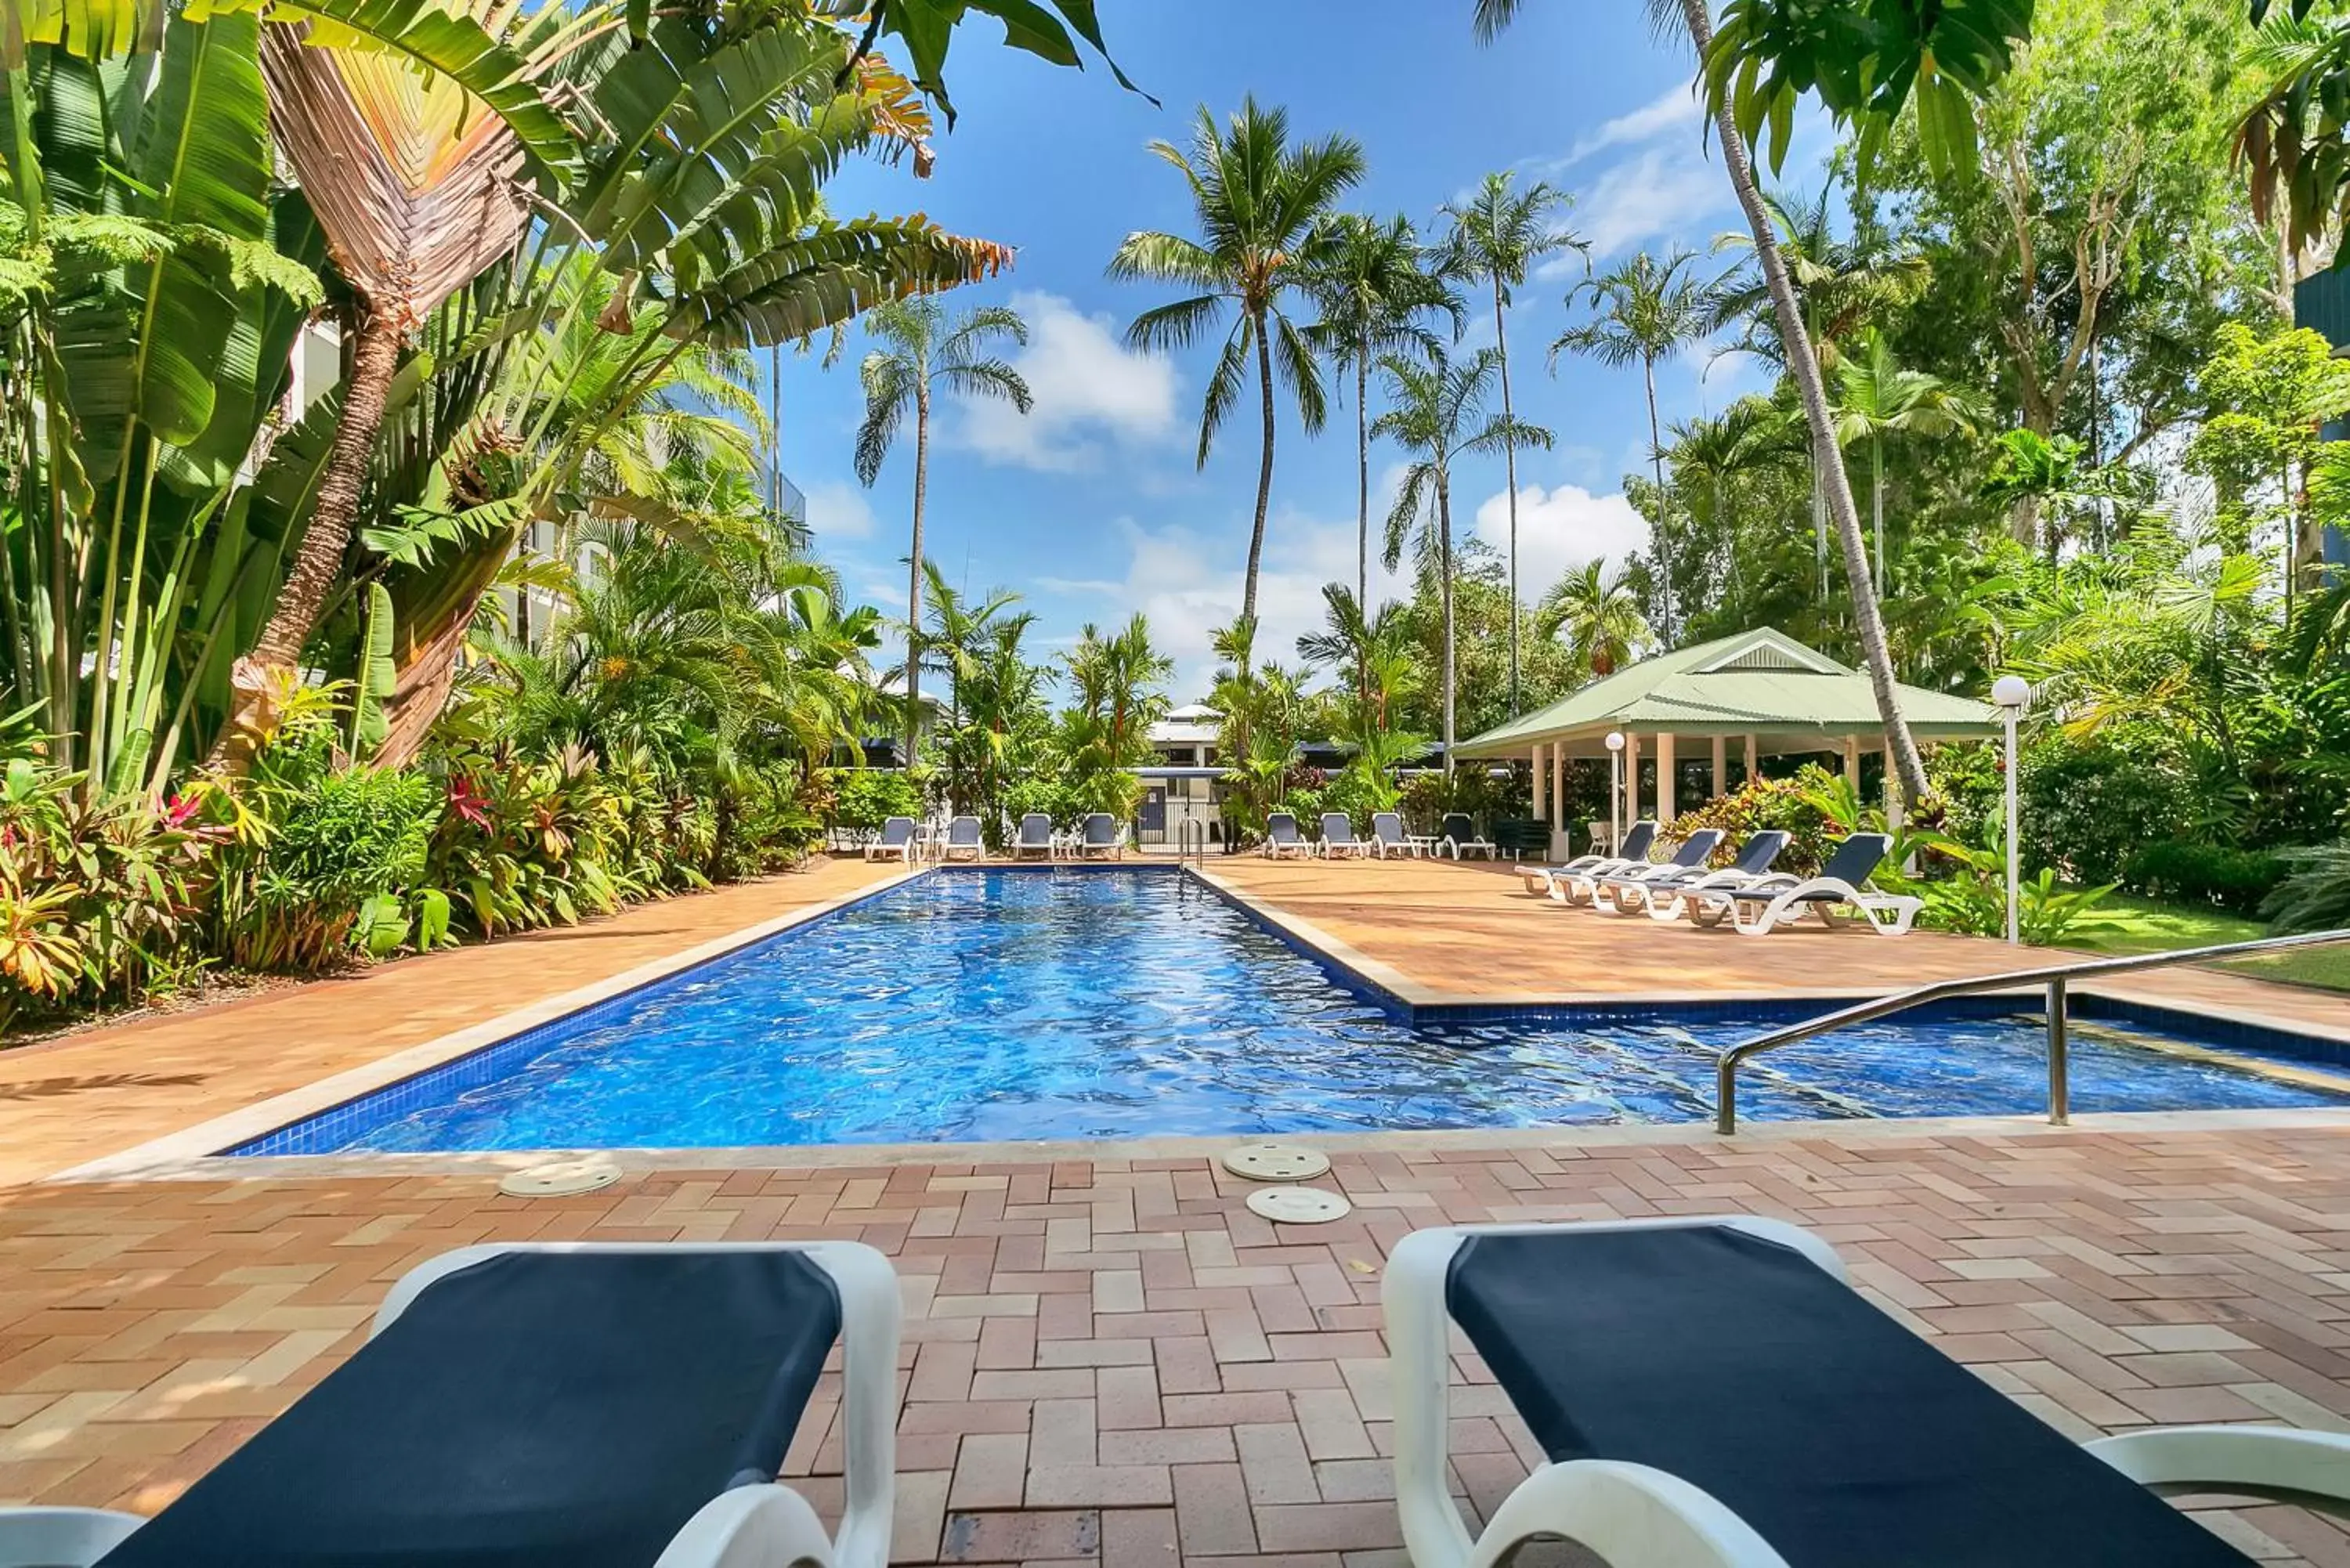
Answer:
(1909, 766)
(1263, 477)
(318, 560)
(1444, 584)
(1876, 502)
(1363, 476)
(1510, 473)
(914, 572)
(1664, 518)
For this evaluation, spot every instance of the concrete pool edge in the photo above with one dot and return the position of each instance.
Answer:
(209, 1148)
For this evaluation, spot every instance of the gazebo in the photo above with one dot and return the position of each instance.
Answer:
(1758, 694)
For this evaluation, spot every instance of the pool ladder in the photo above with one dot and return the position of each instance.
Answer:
(2056, 979)
(1192, 842)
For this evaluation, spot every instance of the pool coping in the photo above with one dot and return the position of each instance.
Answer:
(202, 1150)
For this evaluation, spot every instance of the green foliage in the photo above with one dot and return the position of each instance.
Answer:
(865, 798)
(2086, 809)
(1799, 805)
(2317, 895)
(2194, 871)
(1427, 798)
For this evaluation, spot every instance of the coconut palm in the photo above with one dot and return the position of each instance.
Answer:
(1711, 453)
(1877, 398)
(1648, 310)
(1497, 236)
(1436, 410)
(1787, 310)
(1262, 207)
(1600, 615)
(925, 350)
(1376, 647)
(1372, 292)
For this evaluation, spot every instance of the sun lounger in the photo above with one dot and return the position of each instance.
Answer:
(1035, 838)
(963, 840)
(1338, 840)
(1584, 887)
(1460, 836)
(1713, 1394)
(1389, 838)
(1843, 883)
(1282, 840)
(1668, 899)
(896, 843)
(1632, 852)
(612, 1406)
(1099, 834)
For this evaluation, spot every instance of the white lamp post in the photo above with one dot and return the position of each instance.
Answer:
(1616, 789)
(2014, 695)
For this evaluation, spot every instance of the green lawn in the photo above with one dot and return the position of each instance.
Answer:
(2142, 926)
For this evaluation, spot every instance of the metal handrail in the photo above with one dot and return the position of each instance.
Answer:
(2055, 978)
(1184, 832)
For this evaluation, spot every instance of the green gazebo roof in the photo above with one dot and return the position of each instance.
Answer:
(1763, 684)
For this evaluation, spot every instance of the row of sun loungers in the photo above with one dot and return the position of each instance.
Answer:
(1709, 1393)
(1754, 898)
(1098, 834)
(1389, 839)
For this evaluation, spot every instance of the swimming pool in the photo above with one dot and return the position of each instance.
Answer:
(1125, 1003)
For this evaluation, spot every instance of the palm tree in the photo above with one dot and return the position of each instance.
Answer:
(1710, 453)
(1117, 686)
(1877, 398)
(1437, 409)
(1599, 614)
(1787, 307)
(1376, 647)
(1497, 236)
(1647, 310)
(1261, 206)
(925, 351)
(1372, 290)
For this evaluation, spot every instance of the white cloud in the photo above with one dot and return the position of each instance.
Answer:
(838, 510)
(1664, 190)
(1675, 109)
(1559, 529)
(1090, 392)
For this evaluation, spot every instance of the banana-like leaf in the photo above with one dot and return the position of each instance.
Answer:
(376, 673)
(834, 273)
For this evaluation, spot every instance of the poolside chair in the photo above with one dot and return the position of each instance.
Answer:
(1583, 886)
(963, 839)
(1338, 840)
(1389, 838)
(1035, 838)
(896, 843)
(1668, 899)
(1633, 852)
(1460, 836)
(525, 1404)
(1099, 834)
(1712, 1393)
(1768, 902)
(1282, 841)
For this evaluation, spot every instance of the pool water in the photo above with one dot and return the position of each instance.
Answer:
(970, 1005)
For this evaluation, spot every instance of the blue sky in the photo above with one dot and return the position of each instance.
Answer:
(1092, 507)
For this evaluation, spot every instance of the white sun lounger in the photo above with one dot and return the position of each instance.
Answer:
(1282, 839)
(1542, 880)
(1583, 887)
(1338, 840)
(896, 843)
(558, 1402)
(963, 840)
(1461, 837)
(1667, 900)
(1035, 838)
(1712, 1393)
(1768, 902)
(1099, 834)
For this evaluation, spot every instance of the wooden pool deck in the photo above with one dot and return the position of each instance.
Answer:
(1110, 1360)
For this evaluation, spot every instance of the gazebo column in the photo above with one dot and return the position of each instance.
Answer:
(1753, 760)
(1632, 813)
(1561, 841)
(1665, 810)
(1852, 763)
(1721, 766)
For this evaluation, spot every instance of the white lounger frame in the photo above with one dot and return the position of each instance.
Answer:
(766, 1526)
(949, 848)
(880, 850)
(1634, 1516)
(1888, 914)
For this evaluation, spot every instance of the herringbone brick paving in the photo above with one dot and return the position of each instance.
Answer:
(1117, 1362)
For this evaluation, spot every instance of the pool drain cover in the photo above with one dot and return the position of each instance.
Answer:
(560, 1179)
(1299, 1205)
(1276, 1162)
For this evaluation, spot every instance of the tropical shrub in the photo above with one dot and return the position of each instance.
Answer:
(2317, 895)
(1043, 793)
(864, 798)
(1360, 792)
(2193, 871)
(1801, 806)
(2087, 807)
(1473, 789)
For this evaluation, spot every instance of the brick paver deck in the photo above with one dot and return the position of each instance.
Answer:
(1112, 1361)
(1119, 1363)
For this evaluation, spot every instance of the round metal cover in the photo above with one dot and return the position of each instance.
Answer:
(1276, 1162)
(1299, 1205)
(560, 1179)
